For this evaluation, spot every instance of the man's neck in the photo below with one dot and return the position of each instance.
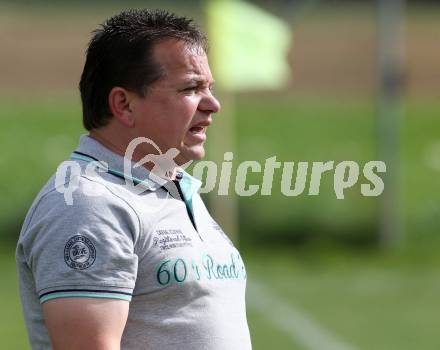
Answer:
(121, 148)
(106, 142)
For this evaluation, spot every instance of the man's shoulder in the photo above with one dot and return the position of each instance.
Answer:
(79, 196)
(53, 217)
(79, 190)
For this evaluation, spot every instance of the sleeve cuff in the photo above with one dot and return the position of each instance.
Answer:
(84, 293)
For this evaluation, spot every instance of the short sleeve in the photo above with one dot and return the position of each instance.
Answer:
(86, 249)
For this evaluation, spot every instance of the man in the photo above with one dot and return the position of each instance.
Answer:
(143, 266)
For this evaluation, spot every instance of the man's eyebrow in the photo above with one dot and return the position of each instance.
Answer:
(198, 81)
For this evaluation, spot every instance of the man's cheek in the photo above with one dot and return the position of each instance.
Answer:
(190, 107)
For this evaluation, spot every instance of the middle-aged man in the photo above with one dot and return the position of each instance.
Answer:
(140, 266)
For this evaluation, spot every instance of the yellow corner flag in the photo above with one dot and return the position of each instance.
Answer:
(249, 47)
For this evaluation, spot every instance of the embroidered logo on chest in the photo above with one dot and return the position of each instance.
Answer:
(169, 239)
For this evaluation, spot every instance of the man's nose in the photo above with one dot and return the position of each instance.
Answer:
(209, 104)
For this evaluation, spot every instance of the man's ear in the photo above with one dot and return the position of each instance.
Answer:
(119, 100)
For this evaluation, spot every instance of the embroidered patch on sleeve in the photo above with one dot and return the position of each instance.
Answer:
(79, 252)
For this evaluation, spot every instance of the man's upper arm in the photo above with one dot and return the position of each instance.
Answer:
(84, 267)
(83, 250)
(85, 323)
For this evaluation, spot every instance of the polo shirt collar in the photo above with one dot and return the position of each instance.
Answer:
(94, 149)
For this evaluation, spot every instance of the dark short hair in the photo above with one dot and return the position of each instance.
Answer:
(120, 53)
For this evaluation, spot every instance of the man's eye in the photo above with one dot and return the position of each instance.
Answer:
(190, 88)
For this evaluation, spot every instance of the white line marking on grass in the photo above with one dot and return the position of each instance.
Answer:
(300, 328)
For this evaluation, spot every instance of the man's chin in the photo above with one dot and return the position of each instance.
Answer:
(193, 153)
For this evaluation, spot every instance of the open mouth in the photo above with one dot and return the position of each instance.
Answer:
(197, 130)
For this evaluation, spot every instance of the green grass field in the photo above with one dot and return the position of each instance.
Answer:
(363, 297)
(370, 301)
(12, 328)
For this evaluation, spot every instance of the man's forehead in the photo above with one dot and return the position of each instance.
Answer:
(178, 57)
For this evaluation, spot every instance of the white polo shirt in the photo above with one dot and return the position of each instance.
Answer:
(159, 249)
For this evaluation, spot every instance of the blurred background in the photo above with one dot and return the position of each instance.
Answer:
(323, 273)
